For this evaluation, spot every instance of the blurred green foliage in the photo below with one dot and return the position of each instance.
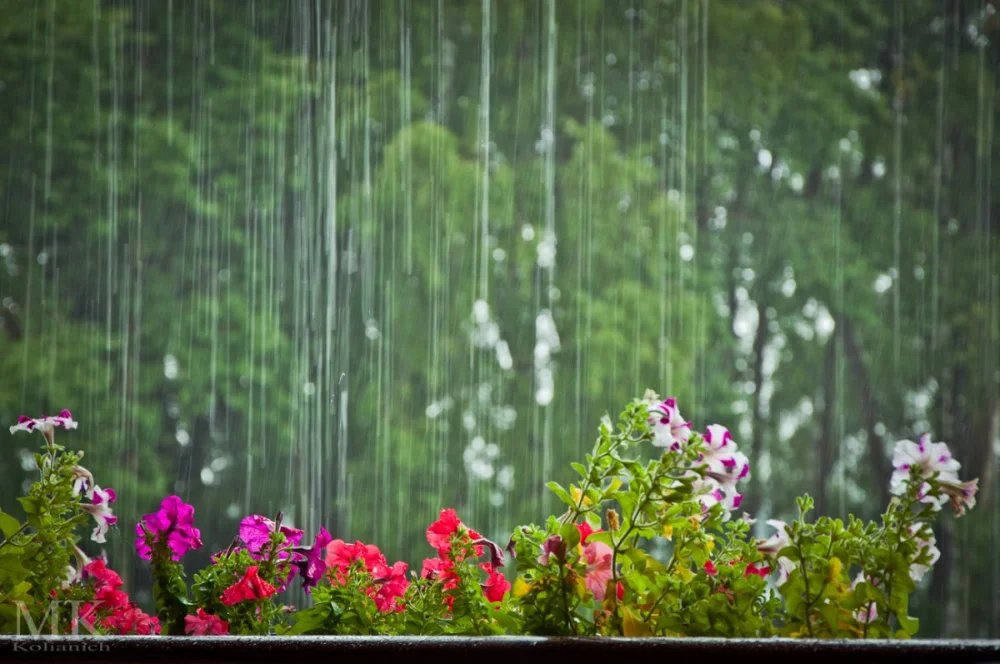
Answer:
(273, 195)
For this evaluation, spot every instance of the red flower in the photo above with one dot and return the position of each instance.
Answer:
(103, 576)
(111, 598)
(585, 531)
(710, 568)
(442, 570)
(620, 591)
(496, 585)
(390, 583)
(439, 533)
(131, 620)
(340, 556)
(762, 572)
(205, 624)
(250, 587)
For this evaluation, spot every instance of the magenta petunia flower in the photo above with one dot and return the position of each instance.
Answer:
(553, 546)
(256, 530)
(174, 521)
(311, 561)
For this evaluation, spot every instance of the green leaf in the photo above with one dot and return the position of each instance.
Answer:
(563, 495)
(8, 524)
(11, 567)
(829, 614)
(308, 620)
(29, 504)
(909, 624)
(570, 535)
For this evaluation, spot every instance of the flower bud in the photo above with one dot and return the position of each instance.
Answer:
(613, 523)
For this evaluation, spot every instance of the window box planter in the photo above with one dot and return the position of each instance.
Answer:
(522, 650)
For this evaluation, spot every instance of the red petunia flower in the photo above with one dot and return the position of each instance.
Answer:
(496, 585)
(585, 531)
(392, 585)
(130, 619)
(762, 572)
(101, 574)
(250, 587)
(710, 568)
(443, 571)
(390, 582)
(439, 533)
(205, 624)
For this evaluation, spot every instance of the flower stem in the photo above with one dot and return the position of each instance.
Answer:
(13, 535)
(565, 599)
(674, 558)
(805, 580)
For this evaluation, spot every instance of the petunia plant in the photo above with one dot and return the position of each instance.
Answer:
(41, 559)
(648, 543)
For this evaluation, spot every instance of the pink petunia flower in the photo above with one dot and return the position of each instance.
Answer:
(598, 556)
(173, 521)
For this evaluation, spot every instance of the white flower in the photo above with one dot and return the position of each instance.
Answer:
(83, 482)
(929, 458)
(925, 542)
(44, 425)
(961, 494)
(709, 493)
(669, 428)
(100, 509)
(785, 567)
(776, 542)
(868, 612)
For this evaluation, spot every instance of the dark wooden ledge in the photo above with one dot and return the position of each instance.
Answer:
(512, 650)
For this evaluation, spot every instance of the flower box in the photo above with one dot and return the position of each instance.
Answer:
(522, 650)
